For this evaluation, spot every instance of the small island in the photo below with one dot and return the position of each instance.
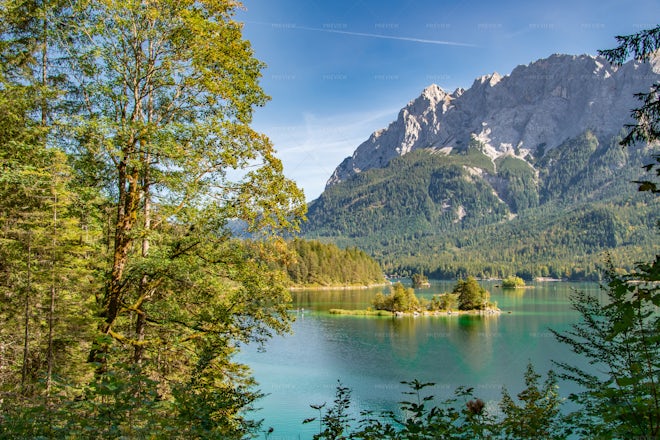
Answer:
(514, 282)
(466, 297)
(419, 280)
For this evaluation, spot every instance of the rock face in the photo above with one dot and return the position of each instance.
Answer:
(526, 113)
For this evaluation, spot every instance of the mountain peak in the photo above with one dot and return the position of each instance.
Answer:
(528, 112)
(490, 80)
(434, 93)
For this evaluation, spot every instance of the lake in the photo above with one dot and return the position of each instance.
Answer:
(372, 355)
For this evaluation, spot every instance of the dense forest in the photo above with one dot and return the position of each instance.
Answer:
(430, 212)
(319, 264)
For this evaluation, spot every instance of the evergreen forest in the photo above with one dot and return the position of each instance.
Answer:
(430, 212)
(320, 264)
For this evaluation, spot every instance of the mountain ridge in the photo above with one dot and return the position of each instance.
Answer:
(520, 174)
(538, 104)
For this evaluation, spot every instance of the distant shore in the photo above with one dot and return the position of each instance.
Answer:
(362, 312)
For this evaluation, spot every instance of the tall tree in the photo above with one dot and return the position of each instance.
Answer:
(620, 338)
(156, 116)
(35, 179)
(169, 90)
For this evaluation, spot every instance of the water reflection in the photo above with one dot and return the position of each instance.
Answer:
(475, 341)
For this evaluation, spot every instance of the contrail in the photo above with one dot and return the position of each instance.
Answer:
(386, 37)
(369, 35)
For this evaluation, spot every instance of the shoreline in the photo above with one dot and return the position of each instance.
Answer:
(341, 287)
(387, 313)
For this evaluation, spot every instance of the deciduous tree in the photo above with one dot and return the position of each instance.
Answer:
(153, 111)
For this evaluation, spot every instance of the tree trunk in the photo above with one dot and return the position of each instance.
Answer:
(126, 219)
(141, 321)
(127, 210)
(51, 310)
(26, 316)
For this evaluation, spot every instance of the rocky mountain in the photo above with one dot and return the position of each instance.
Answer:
(520, 174)
(528, 112)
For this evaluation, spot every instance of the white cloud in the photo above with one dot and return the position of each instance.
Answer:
(313, 146)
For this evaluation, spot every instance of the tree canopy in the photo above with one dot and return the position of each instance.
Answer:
(400, 299)
(127, 151)
(471, 296)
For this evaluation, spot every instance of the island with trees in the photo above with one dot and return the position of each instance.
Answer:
(514, 282)
(467, 296)
(419, 280)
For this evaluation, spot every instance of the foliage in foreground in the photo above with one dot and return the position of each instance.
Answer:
(126, 402)
(533, 415)
(620, 337)
(126, 151)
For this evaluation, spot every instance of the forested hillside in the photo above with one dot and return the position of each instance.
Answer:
(319, 264)
(451, 215)
(517, 174)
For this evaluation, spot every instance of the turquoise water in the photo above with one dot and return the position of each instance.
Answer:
(372, 355)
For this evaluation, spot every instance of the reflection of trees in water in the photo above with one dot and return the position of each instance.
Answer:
(322, 299)
(514, 297)
(399, 335)
(474, 340)
(468, 337)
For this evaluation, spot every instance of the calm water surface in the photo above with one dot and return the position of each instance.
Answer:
(372, 355)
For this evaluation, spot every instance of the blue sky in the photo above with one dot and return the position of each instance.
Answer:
(338, 70)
